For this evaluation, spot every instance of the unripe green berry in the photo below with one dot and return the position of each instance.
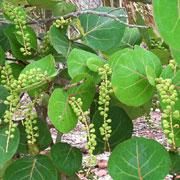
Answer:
(166, 131)
(169, 141)
(171, 135)
(166, 126)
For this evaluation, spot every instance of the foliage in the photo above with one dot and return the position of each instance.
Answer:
(90, 66)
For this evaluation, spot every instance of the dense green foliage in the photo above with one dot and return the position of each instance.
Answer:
(88, 66)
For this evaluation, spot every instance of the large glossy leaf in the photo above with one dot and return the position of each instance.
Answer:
(167, 19)
(100, 32)
(121, 126)
(139, 158)
(43, 141)
(60, 112)
(62, 44)
(175, 159)
(131, 37)
(7, 153)
(129, 79)
(68, 159)
(31, 168)
(3, 94)
(77, 63)
(85, 91)
(133, 112)
(10, 32)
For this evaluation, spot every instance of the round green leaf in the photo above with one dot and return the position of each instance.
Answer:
(167, 19)
(60, 112)
(139, 158)
(85, 91)
(12, 144)
(31, 168)
(77, 63)
(67, 159)
(129, 78)
(121, 126)
(131, 37)
(3, 94)
(43, 141)
(94, 64)
(102, 33)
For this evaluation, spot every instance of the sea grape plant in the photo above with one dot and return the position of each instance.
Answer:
(92, 66)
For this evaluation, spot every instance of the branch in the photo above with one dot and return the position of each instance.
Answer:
(76, 14)
(75, 84)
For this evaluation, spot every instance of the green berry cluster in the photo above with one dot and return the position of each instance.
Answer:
(13, 101)
(19, 19)
(61, 22)
(169, 97)
(155, 44)
(6, 76)
(76, 105)
(105, 89)
(172, 64)
(32, 76)
(45, 44)
(30, 123)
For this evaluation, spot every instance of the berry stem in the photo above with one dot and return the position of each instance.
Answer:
(172, 130)
(105, 120)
